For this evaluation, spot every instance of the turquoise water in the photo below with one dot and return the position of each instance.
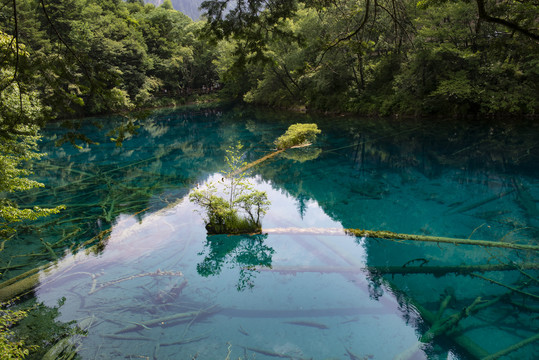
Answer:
(155, 286)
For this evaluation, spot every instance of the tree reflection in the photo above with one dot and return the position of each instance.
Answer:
(245, 252)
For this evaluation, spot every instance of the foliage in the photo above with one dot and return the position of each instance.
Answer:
(19, 112)
(242, 210)
(298, 134)
(10, 348)
(40, 330)
(14, 178)
(381, 57)
(91, 57)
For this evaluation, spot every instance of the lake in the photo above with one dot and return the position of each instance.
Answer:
(130, 261)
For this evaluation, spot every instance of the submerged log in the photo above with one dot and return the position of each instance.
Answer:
(20, 284)
(96, 287)
(480, 203)
(512, 348)
(389, 235)
(164, 320)
(19, 288)
(443, 270)
(443, 325)
(471, 347)
(402, 270)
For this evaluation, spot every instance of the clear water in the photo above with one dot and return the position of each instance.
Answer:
(321, 295)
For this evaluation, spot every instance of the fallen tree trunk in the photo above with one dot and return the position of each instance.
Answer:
(439, 239)
(256, 162)
(19, 288)
(389, 235)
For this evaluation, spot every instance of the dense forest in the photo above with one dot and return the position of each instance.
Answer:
(382, 57)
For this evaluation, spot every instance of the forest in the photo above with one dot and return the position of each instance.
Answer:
(62, 60)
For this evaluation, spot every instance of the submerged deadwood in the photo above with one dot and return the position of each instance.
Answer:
(438, 239)
(164, 320)
(404, 270)
(389, 235)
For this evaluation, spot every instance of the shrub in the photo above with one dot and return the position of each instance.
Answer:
(10, 347)
(298, 134)
(242, 211)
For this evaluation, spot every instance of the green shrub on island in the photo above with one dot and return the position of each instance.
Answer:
(297, 135)
(242, 212)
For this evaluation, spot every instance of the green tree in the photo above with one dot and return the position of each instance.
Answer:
(222, 214)
(19, 114)
(380, 57)
(167, 5)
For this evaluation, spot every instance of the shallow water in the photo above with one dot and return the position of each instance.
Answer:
(284, 294)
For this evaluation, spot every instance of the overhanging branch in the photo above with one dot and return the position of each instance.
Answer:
(486, 17)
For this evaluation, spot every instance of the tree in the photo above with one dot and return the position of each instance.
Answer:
(222, 216)
(167, 5)
(380, 57)
(519, 16)
(19, 114)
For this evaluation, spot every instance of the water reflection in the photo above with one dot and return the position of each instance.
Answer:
(245, 253)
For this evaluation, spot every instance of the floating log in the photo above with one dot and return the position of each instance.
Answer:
(19, 288)
(63, 349)
(439, 239)
(256, 162)
(305, 231)
(389, 235)
(21, 276)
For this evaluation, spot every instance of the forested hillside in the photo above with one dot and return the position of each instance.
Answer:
(375, 57)
(382, 57)
(81, 57)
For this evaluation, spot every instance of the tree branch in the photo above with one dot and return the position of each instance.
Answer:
(484, 16)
